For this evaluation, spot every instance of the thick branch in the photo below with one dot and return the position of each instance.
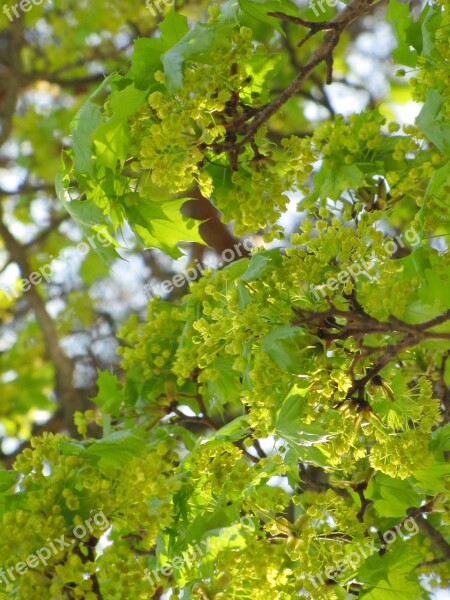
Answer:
(69, 398)
(12, 87)
(436, 538)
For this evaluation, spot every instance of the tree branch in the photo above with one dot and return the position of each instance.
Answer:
(432, 534)
(69, 398)
(12, 88)
(324, 53)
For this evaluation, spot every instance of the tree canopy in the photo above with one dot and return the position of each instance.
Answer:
(224, 301)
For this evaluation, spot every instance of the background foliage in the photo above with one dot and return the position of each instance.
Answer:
(278, 387)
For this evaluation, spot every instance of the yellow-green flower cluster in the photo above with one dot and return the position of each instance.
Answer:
(259, 189)
(434, 72)
(185, 138)
(60, 485)
(173, 134)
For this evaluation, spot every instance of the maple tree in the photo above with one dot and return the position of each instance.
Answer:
(302, 385)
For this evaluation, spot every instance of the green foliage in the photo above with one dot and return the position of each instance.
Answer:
(305, 387)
